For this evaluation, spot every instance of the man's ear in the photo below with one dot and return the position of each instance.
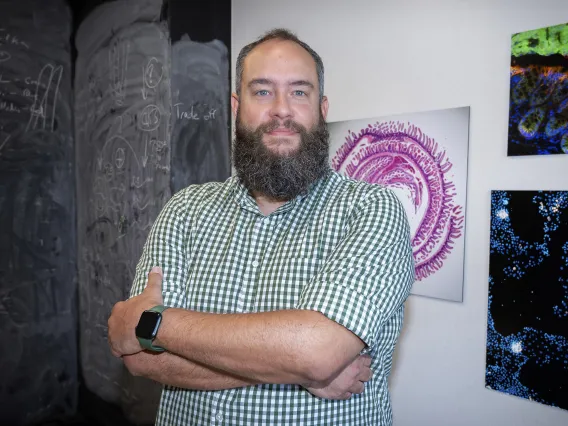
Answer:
(324, 107)
(234, 104)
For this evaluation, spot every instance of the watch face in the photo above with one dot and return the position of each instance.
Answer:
(147, 327)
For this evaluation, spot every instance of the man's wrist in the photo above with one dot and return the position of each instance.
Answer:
(161, 336)
(149, 324)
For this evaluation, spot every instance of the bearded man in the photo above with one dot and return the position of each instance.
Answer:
(275, 297)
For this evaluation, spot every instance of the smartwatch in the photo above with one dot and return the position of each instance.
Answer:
(148, 327)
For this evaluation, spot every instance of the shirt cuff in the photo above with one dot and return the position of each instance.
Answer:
(344, 305)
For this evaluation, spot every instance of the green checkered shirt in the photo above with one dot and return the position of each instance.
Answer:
(342, 250)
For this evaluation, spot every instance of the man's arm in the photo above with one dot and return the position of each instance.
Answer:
(285, 347)
(359, 288)
(170, 369)
(372, 270)
(166, 247)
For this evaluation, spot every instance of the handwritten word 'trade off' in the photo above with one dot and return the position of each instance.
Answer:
(190, 114)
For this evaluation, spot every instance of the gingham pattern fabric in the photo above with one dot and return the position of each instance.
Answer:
(342, 250)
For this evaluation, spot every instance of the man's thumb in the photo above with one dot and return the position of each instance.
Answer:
(155, 276)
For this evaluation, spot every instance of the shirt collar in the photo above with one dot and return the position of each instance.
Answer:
(243, 198)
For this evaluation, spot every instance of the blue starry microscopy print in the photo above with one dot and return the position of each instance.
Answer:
(527, 329)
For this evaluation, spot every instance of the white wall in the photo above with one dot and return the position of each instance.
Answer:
(392, 56)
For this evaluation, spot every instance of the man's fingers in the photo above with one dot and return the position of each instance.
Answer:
(357, 388)
(115, 307)
(365, 374)
(366, 360)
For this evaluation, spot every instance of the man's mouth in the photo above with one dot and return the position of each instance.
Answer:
(282, 132)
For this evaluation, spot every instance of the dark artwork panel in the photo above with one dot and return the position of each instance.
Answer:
(37, 214)
(538, 103)
(200, 82)
(200, 119)
(527, 334)
(122, 126)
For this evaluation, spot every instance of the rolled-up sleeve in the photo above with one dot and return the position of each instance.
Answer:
(167, 247)
(368, 276)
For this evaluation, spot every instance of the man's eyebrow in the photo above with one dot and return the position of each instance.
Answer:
(268, 82)
(302, 83)
(256, 81)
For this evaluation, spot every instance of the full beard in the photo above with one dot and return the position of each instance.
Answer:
(281, 177)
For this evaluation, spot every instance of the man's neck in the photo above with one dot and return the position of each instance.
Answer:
(266, 205)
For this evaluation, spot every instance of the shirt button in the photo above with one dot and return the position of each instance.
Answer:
(219, 417)
(255, 263)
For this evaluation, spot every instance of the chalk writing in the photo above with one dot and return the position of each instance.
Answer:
(42, 99)
(191, 114)
(4, 94)
(119, 119)
(137, 184)
(30, 81)
(120, 158)
(157, 150)
(118, 65)
(108, 171)
(150, 118)
(145, 156)
(7, 38)
(188, 115)
(210, 115)
(4, 56)
(4, 143)
(117, 140)
(152, 74)
(9, 107)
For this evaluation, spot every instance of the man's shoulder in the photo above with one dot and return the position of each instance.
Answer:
(197, 196)
(354, 191)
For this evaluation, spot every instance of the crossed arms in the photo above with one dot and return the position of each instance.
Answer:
(306, 346)
(247, 353)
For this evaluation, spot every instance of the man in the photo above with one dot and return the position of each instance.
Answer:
(283, 283)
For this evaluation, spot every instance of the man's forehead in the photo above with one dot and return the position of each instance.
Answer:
(276, 56)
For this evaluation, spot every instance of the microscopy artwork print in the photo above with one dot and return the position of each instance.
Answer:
(538, 101)
(422, 157)
(527, 328)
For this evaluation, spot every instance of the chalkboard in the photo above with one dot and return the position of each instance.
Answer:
(122, 128)
(200, 131)
(37, 214)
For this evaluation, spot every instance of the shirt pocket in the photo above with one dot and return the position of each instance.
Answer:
(281, 283)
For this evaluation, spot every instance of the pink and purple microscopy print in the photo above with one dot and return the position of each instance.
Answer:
(423, 159)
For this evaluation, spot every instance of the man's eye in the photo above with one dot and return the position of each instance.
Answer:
(299, 93)
(262, 92)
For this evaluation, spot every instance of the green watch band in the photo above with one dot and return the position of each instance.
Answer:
(147, 343)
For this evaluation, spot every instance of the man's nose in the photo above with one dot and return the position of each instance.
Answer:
(281, 107)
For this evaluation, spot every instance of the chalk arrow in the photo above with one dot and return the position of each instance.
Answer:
(4, 143)
(145, 157)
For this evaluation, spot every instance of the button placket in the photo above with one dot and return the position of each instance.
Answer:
(251, 272)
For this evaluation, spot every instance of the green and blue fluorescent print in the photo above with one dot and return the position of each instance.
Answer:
(538, 104)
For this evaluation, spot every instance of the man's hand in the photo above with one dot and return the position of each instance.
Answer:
(125, 316)
(349, 381)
